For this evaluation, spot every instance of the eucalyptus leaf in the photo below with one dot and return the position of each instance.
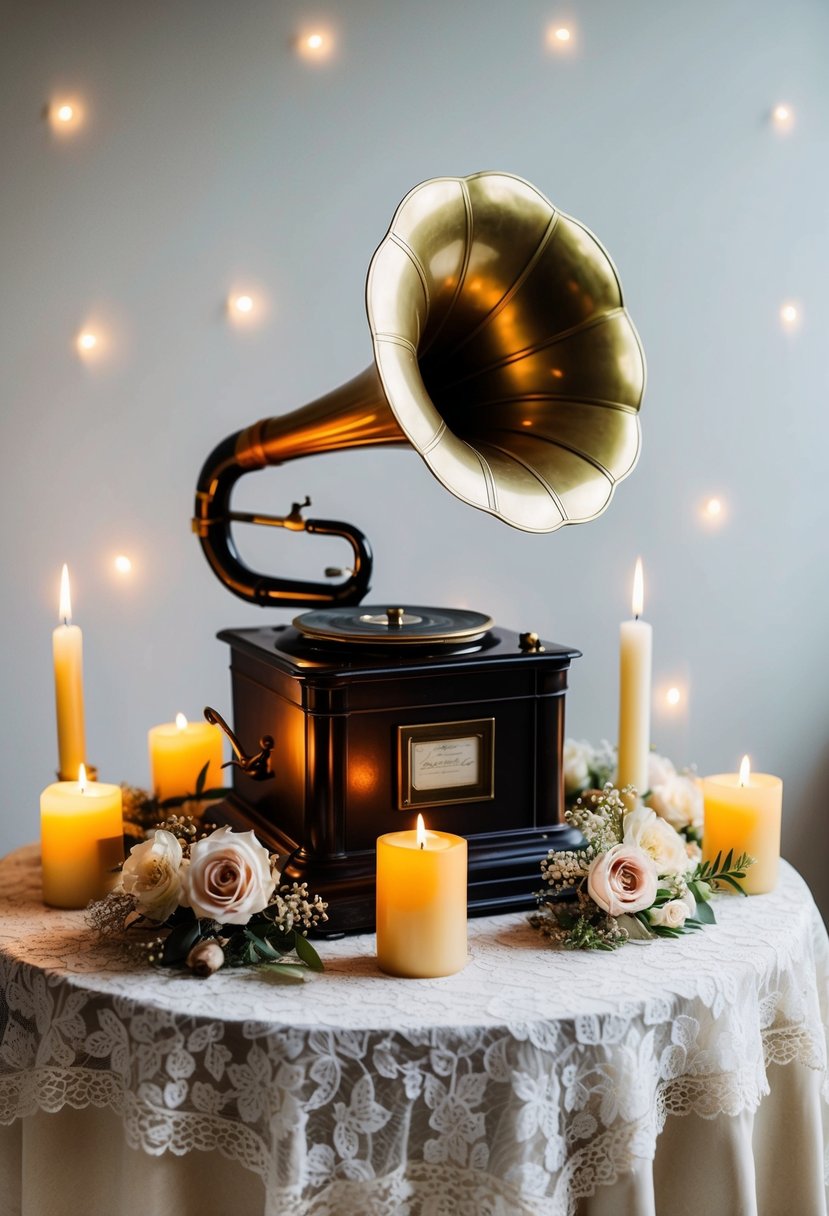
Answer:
(637, 928)
(705, 913)
(285, 971)
(262, 947)
(307, 953)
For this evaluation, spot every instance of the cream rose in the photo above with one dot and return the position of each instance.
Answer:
(678, 800)
(576, 763)
(660, 769)
(229, 878)
(152, 875)
(644, 829)
(672, 915)
(624, 879)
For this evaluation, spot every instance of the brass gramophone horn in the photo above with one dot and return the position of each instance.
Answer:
(502, 353)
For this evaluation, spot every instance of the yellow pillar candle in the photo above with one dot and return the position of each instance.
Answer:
(81, 841)
(743, 812)
(421, 903)
(67, 655)
(179, 751)
(635, 651)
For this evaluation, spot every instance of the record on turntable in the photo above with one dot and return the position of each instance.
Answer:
(373, 625)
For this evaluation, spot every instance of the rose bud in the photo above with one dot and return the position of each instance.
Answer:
(206, 957)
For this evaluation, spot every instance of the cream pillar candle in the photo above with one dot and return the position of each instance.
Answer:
(635, 651)
(743, 812)
(421, 903)
(179, 751)
(67, 655)
(81, 841)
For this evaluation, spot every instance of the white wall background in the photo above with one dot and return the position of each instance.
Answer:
(213, 157)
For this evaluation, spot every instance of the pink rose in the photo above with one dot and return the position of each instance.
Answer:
(229, 877)
(624, 879)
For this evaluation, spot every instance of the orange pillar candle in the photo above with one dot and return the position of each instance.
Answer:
(81, 841)
(421, 903)
(179, 751)
(67, 656)
(743, 812)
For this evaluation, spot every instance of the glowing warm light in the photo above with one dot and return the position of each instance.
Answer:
(673, 696)
(789, 315)
(181, 722)
(420, 837)
(123, 564)
(87, 342)
(560, 37)
(713, 507)
(244, 308)
(65, 114)
(745, 771)
(782, 116)
(314, 45)
(82, 777)
(638, 598)
(65, 609)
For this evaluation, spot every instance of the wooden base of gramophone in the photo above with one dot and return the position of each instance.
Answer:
(469, 734)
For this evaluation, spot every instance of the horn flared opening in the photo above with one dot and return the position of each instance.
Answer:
(504, 350)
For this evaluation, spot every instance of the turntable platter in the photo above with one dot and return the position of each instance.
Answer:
(378, 624)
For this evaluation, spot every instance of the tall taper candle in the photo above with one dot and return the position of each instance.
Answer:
(635, 661)
(67, 654)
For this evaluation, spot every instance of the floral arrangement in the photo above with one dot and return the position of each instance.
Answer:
(208, 898)
(640, 873)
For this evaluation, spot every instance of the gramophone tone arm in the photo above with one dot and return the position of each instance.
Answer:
(256, 766)
(212, 524)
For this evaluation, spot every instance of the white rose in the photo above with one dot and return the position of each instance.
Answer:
(576, 760)
(678, 800)
(660, 769)
(689, 899)
(644, 829)
(229, 878)
(672, 915)
(152, 875)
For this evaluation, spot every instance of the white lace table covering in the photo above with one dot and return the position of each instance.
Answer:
(515, 1087)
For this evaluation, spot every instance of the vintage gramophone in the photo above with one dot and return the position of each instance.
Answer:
(504, 355)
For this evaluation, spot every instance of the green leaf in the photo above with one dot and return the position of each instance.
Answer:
(728, 860)
(262, 947)
(732, 882)
(705, 913)
(201, 780)
(285, 971)
(307, 953)
(179, 942)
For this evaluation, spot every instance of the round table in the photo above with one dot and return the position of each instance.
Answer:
(534, 1083)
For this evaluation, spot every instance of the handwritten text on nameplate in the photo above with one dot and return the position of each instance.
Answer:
(439, 764)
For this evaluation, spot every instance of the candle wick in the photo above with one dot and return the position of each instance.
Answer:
(422, 843)
(66, 620)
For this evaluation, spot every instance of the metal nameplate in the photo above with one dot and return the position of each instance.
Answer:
(442, 763)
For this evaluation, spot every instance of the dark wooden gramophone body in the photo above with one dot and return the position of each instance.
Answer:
(364, 739)
(504, 356)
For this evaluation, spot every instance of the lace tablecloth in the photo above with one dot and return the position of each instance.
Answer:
(525, 1082)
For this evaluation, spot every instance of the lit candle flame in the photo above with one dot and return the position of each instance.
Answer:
(638, 599)
(82, 777)
(745, 771)
(65, 609)
(421, 833)
(181, 722)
